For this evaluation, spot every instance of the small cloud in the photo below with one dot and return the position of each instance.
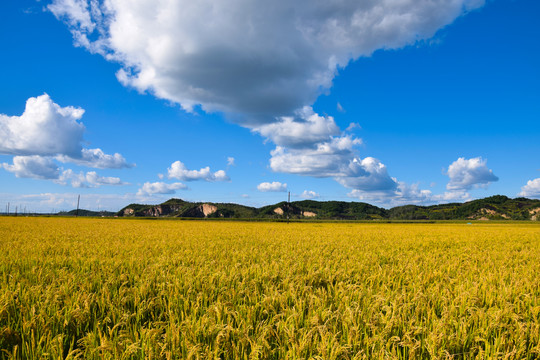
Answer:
(452, 196)
(353, 126)
(368, 174)
(159, 188)
(36, 167)
(89, 180)
(466, 174)
(179, 171)
(275, 186)
(340, 108)
(230, 161)
(531, 189)
(308, 194)
(245, 196)
(305, 129)
(328, 159)
(96, 158)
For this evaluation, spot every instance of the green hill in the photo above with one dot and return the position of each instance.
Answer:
(492, 208)
(83, 212)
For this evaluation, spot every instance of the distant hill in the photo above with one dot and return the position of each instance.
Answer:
(492, 208)
(83, 212)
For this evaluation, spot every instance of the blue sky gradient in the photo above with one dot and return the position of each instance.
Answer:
(470, 91)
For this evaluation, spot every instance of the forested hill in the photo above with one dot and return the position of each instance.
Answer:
(492, 208)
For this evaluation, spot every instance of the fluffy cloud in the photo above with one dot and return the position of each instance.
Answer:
(465, 174)
(159, 188)
(253, 61)
(179, 171)
(86, 180)
(532, 189)
(305, 129)
(43, 167)
(309, 194)
(36, 167)
(328, 159)
(96, 158)
(275, 186)
(452, 196)
(367, 174)
(402, 194)
(44, 128)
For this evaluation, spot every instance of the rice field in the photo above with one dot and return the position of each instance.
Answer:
(75, 288)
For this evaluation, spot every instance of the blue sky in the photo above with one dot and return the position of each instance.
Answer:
(415, 102)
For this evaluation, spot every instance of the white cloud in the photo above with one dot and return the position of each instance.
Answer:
(367, 174)
(340, 108)
(353, 126)
(402, 194)
(43, 167)
(179, 171)
(85, 180)
(275, 186)
(452, 196)
(96, 158)
(254, 61)
(159, 188)
(532, 189)
(36, 167)
(328, 159)
(305, 129)
(230, 161)
(79, 13)
(44, 129)
(309, 194)
(465, 174)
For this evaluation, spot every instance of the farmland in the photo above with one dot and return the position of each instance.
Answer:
(136, 289)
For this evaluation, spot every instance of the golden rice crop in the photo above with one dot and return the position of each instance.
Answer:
(142, 289)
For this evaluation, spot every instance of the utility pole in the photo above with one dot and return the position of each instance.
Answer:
(78, 200)
(8, 209)
(288, 206)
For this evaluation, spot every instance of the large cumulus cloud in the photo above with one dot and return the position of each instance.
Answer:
(252, 60)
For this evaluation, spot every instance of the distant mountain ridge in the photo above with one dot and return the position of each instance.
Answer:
(496, 207)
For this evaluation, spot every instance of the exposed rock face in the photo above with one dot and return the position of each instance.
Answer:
(207, 209)
(308, 214)
(483, 213)
(278, 211)
(535, 214)
(154, 211)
